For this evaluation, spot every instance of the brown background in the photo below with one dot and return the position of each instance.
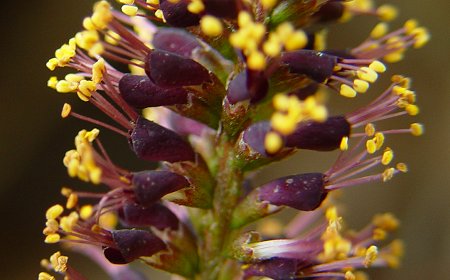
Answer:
(34, 140)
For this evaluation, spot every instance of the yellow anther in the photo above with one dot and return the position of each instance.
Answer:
(388, 174)
(350, 276)
(95, 175)
(54, 212)
(98, 69)
(129, 10)
(64, 54)
(416, 129)
(52, 238)
(85, 89)
(319, 114)
(65, 191)
(65, 112)
(371, 255)
(273, 142)
(387, 12)
(347, 91)
(281, 102)
(256, 61)
(379, 30)
(51, 83)
(367, 74)
(272, 47)
(268, 4)
(52, 63)
(344, 144)
(379, 234)
(369, 129)
(72, 201)
(196, 6)
(360, 86)
(86, 39)
(410, 25)
(320, 40)
(88, 24)
(296, 41)
(112, 37)
(68, 222)
(127, 2)
(159, 14)
(64, 86)
(102, 15)
(386, 221)
(211, 26)
(421, 37)
(284, 31)
(371, 146)
(379, 140)
(86, 212)
(61, 264)
(283, 123)
(52, 225)
(401, 167)
(412, 109)
(394, 56)
(74, 78)
(45, 276)
(377, 66)
(244, 18)
(387, 157)
(73, 167)
(108, 220)
(92, 135)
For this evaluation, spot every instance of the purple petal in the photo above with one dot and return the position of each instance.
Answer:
(316, 65)
(157, 215)
(177, 14)
(175, 40)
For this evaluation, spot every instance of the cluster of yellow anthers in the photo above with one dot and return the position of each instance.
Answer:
(289, 112)
(365, 76)
(56, 262)
(398, 43)
(251, 35)
(78, 84)
(357, 7)
(57, 223)
(80, 161)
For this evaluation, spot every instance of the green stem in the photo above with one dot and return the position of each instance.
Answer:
(226, 195)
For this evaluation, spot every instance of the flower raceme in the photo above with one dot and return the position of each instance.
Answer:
(214, 90)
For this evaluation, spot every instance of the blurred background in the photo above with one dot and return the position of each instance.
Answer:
(34, 140)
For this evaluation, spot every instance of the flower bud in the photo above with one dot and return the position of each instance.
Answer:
(247, 85)
(303, 192)
(330, 11)
(177, 14)
(316, 65)
(176, 41)
(140, 92)
(150, 186)
(171, 70)
(319, 136)
(156, 215)
(132, 244)
(153, 142)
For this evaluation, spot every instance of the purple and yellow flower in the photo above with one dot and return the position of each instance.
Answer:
(212, 90)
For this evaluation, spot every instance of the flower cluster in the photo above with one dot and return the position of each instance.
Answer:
(214, 90)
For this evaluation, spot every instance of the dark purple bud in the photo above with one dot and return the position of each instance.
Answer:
(171, 70)
(305, 92)
(221, 8)
(255, 134)
(152, 142)
(319, 136)
(150, 186)
(130, 245)
(175, 40)
(247, 85)
(276, 268)
(316, 65)
(157, 215)
(140, 92)
(303, 192)
(330, 11)
(177, 14)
